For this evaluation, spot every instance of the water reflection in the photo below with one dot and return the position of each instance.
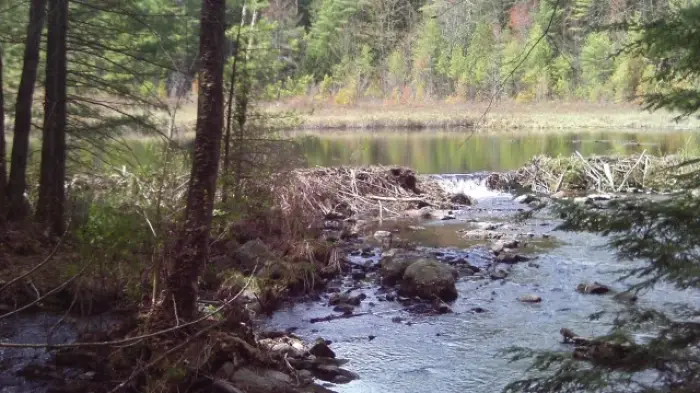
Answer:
(454, 152)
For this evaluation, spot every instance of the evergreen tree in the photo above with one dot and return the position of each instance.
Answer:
(663, 233)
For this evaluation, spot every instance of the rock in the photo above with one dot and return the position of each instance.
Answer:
(626, 297)
(416, 228)
(482, 234)
(478, 310)
(344, 309)
(526, 199)
(333, 373)
(498, 246)
(448, 216)
(498, 274)
(429, 279)
(358, 275)
(382, 235)
(393, 268)
(426, 212)
(509, 257)
(595, 288)
(443, 308)
(321, 349)
(488, 226)
(371, 337)
(530, 298)
(253, 253)
(290, 346)
(262, 381)
(461, 199)
(397, 319)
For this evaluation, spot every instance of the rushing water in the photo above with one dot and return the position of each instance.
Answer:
(461, 352)
(433, 151)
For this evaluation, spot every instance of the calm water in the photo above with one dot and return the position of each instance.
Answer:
(454, 152)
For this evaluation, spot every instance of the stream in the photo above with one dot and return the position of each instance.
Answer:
(461, 352)
(395, 351)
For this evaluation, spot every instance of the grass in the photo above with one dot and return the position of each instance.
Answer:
(501, 116)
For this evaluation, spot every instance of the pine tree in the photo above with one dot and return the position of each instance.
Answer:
(664, 233)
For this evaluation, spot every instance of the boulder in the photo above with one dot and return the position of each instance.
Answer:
(594, 288)
(426, 212)
(530, 298)
(429, 279)
(254, 253)
(461, 199)
(393, 268)
(321, 349)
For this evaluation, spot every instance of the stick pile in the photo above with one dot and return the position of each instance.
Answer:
(358, 192)
(597, 173)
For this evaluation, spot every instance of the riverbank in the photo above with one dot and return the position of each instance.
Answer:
(478, 116)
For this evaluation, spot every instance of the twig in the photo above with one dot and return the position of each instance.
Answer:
(129, 339)
(163, 356)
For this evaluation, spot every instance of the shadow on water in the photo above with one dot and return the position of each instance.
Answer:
(434, 151)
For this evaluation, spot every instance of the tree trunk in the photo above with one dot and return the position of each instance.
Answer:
(226, 186)
(192, 250)
(3, 153)
(23, 112)
(50, 206)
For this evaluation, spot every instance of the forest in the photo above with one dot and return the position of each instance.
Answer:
(398, 51)
(160, 230)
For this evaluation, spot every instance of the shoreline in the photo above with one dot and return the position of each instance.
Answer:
(477, 117)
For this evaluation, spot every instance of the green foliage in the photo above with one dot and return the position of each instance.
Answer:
(596, 66)
(662, 234)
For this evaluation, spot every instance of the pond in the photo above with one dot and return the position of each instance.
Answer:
(435, 151)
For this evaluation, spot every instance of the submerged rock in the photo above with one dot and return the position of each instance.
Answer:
(429, 279)
(595, 288)
(482, 234)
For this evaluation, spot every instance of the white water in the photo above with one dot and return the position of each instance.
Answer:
(471, 184)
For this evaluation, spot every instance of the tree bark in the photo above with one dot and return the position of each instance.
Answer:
(192, 249)
(226, 186)
(50, 206)
(23, 112)
(3, 157)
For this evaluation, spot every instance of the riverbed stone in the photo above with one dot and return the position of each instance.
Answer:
(499, 246)
(511, 257)
(429, 279)
(482, 234)
(529, 298)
